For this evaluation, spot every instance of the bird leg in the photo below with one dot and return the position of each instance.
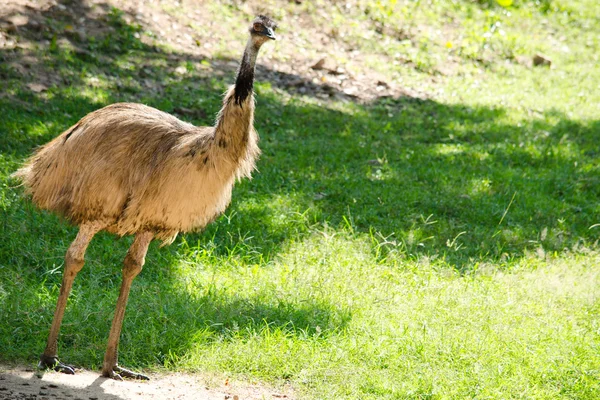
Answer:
(73, 264)
(133, 264)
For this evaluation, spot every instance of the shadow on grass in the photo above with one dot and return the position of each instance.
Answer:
(420, 178)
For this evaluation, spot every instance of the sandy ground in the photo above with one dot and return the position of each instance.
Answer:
(30, 384)
(295, 66)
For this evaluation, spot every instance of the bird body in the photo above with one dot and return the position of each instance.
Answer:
(131, 169)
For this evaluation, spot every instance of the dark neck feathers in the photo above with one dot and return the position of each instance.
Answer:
(244, 82)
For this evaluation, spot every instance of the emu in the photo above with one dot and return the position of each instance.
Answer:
(130, 169)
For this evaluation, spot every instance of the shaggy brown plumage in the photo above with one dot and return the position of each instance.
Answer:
(131, 169)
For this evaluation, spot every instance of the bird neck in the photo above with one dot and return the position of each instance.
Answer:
(235, 142)
(244, 82)
(234, 138)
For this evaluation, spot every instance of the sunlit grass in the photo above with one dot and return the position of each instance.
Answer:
(414, 327)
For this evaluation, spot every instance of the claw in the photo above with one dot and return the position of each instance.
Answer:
(113, 375)
(53, 363)
(118, 373)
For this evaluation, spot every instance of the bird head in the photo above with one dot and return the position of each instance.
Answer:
(262, 29)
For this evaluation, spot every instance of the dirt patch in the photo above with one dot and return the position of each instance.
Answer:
(191, 33)
(29, 384)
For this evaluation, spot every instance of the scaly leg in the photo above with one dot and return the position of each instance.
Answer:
(134, 261)
(73, 264)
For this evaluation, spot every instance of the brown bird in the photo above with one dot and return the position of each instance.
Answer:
(131, 169)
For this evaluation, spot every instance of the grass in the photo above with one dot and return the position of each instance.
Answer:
(407, 248)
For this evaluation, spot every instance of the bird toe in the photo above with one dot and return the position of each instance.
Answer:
(118, 373)
(53, 363)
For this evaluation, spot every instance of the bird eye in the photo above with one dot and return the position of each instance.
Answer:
(258, 27)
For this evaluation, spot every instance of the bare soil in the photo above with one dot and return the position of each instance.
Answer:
(29, 384)
(192, 32)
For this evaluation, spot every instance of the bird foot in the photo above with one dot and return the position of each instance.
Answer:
(52, 362)
(118, 373)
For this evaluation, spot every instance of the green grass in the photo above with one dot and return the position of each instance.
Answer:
(401, 249)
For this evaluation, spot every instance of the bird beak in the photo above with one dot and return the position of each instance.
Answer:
(270, 34)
